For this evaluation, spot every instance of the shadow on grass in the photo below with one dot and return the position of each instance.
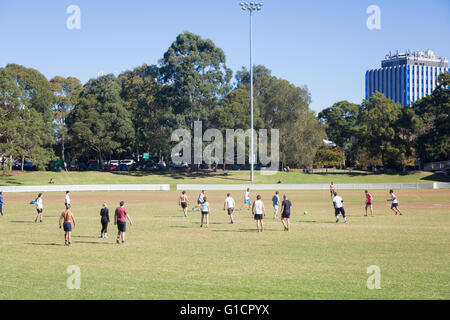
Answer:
(177, 175)
(92, 242)
(21, 221)
(437, 177)
(89, 237)
(46, 244)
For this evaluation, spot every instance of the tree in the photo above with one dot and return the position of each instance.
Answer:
(433, 141)
(329, 157)
(152, 118)
(99, 122)
(66, 91)
(234, 112)
(197, 76)
(25, 114)
(341, 122)
(384, 129)
(285, 107)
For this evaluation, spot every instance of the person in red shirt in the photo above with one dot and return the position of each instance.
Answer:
(368, 202)
(120, 217)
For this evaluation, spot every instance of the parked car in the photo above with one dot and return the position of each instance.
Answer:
(236, 167)
(110, 167)
(93, 165)
(128, 162)
(176, 164)
(114, 162)
(204, 166)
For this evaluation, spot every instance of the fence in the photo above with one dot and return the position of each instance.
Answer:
(371, 186)
(90, 187)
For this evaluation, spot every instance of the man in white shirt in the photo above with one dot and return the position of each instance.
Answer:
(39, 207)
(229, 205)
(67, 200)
(338, 207)
(258, 211)
(394, 205)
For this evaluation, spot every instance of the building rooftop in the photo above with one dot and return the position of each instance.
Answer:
(426, 57)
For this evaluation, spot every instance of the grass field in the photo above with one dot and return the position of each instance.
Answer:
(234, 177)
(168, 256)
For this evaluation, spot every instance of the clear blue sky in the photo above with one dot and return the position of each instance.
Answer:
(323, 44)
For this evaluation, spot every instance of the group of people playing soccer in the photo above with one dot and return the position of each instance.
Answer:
(257, 208)
(67, 218)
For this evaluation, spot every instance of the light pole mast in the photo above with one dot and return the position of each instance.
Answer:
(252, 6)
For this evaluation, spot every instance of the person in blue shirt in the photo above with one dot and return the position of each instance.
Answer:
(205, 212)
(275, 203)
(1, 203)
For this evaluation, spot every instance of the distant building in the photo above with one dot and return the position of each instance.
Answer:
(406, 77)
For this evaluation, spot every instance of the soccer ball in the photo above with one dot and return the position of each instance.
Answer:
(306, 212)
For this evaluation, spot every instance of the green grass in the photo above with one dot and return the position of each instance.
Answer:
(168, 256)
(234, 177)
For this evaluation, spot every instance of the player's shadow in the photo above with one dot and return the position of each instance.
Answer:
(242, 230)
(89, 237)
(45, 244)
(21, 221)
(92, 242)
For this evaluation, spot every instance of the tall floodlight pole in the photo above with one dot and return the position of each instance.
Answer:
(252, 6)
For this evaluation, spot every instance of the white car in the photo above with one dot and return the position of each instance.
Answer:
(115, 162)
(128, 162)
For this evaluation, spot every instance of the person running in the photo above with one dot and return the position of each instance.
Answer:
(229, 206)
(369, 199)
(183, 202)
(39, 207)
(286, 213)
(205, 212)
(275, 203)
(247, 200)
(200, 200)
(338, 207)
(104, 213)
(258, 210)
(120, 216)
(332, 187)
(67, 217)
(394, 205)
(1, 203)
(67, 200)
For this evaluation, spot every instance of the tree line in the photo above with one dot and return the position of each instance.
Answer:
(136, 112)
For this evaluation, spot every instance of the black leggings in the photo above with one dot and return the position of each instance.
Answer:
(104, 226)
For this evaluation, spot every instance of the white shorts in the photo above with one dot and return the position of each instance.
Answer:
(275, 207)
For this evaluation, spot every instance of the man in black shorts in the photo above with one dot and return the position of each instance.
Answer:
(286, 213)
(183, 202)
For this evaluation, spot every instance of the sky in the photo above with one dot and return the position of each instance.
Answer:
(324, 45)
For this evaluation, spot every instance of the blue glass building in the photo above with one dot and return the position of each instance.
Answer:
(406, 77)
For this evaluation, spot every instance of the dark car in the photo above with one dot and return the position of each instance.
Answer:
(204, 166)
(82, 166)
(123, 167)
(236, 167)
(93, 165)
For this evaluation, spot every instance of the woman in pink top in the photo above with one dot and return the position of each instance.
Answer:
(368, 203)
